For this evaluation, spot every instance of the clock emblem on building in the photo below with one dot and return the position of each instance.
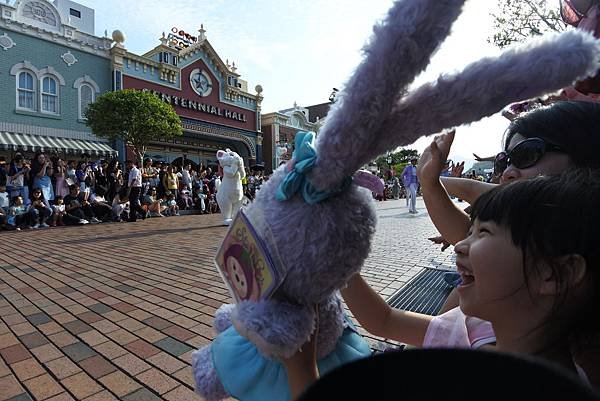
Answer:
(201, 82)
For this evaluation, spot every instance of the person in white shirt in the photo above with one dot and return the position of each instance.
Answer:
(186, 177)
(135, 190)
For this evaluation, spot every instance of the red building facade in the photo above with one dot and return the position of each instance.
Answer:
(213, 102)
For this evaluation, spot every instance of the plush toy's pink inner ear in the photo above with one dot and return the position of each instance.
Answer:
(220, 153)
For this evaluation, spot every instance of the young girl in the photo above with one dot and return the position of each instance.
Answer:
(18, 215)
(173, 209)
(59, 212)
(529, 266)
(39, 211)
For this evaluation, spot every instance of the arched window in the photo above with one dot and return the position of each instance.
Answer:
(49, 95)
(26, 91)
(87, 89)
(86, 97)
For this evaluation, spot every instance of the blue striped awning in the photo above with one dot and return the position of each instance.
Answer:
(14, 141)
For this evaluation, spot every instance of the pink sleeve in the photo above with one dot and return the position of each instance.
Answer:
(455, 330)
(447, 330)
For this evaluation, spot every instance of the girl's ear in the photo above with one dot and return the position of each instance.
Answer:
(574, 267)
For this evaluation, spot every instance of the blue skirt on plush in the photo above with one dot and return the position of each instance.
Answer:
(249, 376)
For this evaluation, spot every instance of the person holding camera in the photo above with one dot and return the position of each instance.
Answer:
(18, 177)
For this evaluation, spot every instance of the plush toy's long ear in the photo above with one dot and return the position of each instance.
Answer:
(399, 50)
(486, 86)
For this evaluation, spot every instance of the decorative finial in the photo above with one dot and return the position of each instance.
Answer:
(118, 36)
(202, 31)
(295, 105)
(163, 39)
(258, 89)
(105, 31)
(233, 67)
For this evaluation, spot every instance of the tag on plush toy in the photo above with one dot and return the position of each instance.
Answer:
(244, 263)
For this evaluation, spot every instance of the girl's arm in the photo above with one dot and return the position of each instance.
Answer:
(380, 319)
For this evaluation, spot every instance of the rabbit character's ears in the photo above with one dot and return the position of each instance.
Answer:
(374, 113)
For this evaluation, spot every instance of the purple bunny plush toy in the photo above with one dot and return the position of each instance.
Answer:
(321, 222)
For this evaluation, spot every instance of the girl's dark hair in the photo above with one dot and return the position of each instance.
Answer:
(574, 126)
(549, 217)
(36, 190)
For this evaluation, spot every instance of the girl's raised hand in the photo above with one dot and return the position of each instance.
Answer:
(434, 158)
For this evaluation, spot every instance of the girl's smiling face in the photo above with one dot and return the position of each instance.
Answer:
(492, 272)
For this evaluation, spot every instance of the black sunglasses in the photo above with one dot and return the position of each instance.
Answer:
(525, 154)
(570, 14)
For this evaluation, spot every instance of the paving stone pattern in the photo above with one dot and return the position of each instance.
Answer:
(114, 311)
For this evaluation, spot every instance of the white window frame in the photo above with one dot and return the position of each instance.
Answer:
(34, 90)
(55, 95)
(86, 80)
(38, 79)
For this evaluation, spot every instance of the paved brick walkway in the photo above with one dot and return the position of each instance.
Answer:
(114, 311)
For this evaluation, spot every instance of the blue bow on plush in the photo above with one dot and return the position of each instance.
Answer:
(304, 158)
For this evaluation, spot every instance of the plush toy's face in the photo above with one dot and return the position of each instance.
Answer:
(241, 283)
(238, 269)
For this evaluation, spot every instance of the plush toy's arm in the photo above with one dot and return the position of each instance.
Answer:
(399, 50)
(241, 169)
(486, 86)
(278, 329)
(222, 319)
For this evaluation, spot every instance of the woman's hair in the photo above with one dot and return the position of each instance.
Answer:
(574, 126)
(550, 217)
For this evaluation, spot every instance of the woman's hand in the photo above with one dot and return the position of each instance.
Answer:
(434, 158)
(457, 170)
(440, 240)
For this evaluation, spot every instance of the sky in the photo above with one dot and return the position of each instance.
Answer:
(298, 50)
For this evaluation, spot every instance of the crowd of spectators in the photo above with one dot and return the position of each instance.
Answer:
(47, 190)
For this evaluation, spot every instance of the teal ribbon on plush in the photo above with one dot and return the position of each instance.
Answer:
(303, 160)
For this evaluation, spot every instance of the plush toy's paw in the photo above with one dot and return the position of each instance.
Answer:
(227, 222)
(278, 329)
(208, 384)
(223, 318)
(331, 325)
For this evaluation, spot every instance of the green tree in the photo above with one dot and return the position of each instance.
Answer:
(135, 117)
(399, 160)
(517, 20)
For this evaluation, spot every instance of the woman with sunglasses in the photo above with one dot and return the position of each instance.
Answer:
(545, 141)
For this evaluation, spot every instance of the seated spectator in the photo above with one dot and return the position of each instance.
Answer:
(59, 211)
(102, 209)
(185, 200)
(39, 212)
(4, 199)
(120, 206)
(156, 206)
(173, 209)
(18, 215)
(77, 207)
(3, 219)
